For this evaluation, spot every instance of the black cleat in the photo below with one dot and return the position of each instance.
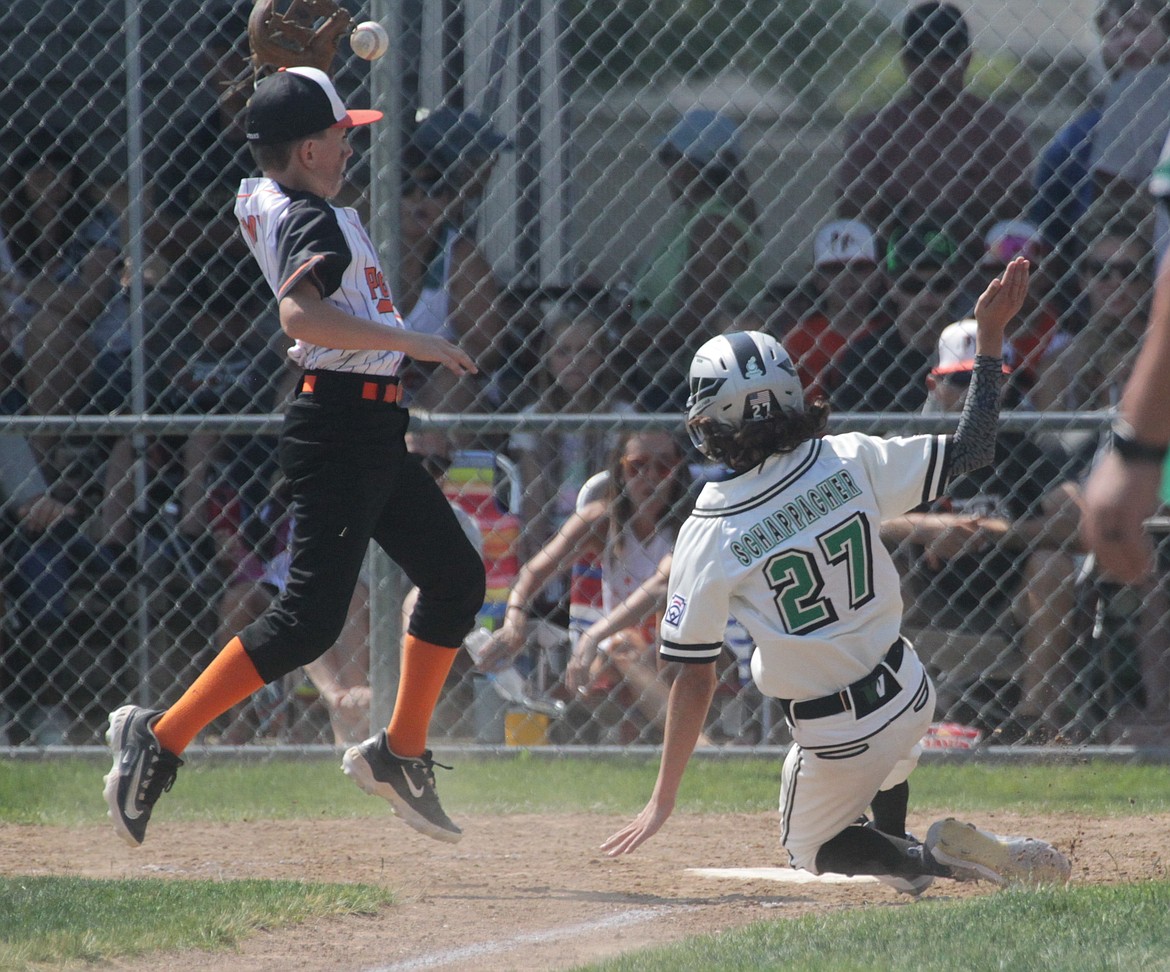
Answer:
(141, 773)
(406, 783)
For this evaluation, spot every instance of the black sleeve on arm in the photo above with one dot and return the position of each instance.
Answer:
(973, 444)
(310, 245)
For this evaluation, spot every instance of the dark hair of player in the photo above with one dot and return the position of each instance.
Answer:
(743, 446)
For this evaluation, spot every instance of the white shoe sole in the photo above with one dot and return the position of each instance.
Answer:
(975, 854)
(354, 765)
(114, 732)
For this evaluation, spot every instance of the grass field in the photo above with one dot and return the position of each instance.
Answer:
(62, 920)
(1046, 930)
(69, 791)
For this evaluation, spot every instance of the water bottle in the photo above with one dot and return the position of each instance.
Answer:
(507, 680)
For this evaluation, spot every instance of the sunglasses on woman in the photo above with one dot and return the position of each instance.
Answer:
(659, 468)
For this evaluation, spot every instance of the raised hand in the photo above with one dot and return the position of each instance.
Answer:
(1001, 301)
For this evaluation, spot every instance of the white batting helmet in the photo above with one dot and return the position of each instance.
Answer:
(741, 377)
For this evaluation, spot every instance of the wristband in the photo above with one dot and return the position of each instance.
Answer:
(1130, 449)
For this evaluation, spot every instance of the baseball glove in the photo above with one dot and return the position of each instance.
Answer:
(305, 34)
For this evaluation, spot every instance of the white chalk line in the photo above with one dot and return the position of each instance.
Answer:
(621, 920)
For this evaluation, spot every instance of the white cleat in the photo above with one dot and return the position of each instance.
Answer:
(975, 854)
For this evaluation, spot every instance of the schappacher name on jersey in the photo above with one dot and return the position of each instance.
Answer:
(792, 550)
(795, 515)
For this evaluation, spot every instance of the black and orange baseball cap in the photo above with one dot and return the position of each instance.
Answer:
(296, 102)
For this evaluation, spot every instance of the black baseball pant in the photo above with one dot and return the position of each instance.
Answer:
(352, 480)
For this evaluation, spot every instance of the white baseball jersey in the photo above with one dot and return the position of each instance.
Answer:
(791, 549)
(296, 236)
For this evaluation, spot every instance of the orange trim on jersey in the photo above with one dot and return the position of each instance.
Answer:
(297, 275)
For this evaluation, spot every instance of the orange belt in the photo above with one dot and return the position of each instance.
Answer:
(367, 388)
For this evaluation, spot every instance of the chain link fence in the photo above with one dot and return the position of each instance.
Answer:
(580, 194)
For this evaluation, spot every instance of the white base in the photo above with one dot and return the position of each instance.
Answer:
(785, 875)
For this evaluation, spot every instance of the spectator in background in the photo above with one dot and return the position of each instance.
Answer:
(1115, 276)
(226, 359)
(201, 154)
(1106, 323)
(1037, 334)
(1133, 36)
(844, 279)
(573, 377)
(446, 285)
(994, 556)
(1123, 490)
(60, 650)
(32, 685)
(66, 254)
(629, 531)
(884, 366)
(703, 261)
(11, 332)
(1128, 137)
(939, 148)
(212, 347)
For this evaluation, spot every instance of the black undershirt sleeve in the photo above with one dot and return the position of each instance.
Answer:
(973, 444)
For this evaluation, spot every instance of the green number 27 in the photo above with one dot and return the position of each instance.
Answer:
(797, 581)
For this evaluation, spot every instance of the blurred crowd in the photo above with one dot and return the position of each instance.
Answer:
(935, 193)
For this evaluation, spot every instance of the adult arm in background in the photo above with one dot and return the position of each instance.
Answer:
(23, 493)
(582, 531)
(1122, 492)
(944, 536)
(475, 303)
(650, 596)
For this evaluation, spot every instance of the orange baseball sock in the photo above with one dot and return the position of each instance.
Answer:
(424, 671)
(229, 679)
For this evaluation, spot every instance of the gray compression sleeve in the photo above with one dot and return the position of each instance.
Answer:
(973, 444)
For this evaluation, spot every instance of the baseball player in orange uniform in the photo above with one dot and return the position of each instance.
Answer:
(343, 452)
(790, 546)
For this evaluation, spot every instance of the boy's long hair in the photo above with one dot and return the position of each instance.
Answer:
(741, 447)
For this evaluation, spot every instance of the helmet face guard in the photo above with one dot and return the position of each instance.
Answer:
(738, 378)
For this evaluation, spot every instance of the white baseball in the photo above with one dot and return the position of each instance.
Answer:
(369, 40)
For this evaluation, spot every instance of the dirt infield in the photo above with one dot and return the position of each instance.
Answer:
(521, 892)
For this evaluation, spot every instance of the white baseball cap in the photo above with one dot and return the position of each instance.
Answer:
(844, 241)
(956, 349)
